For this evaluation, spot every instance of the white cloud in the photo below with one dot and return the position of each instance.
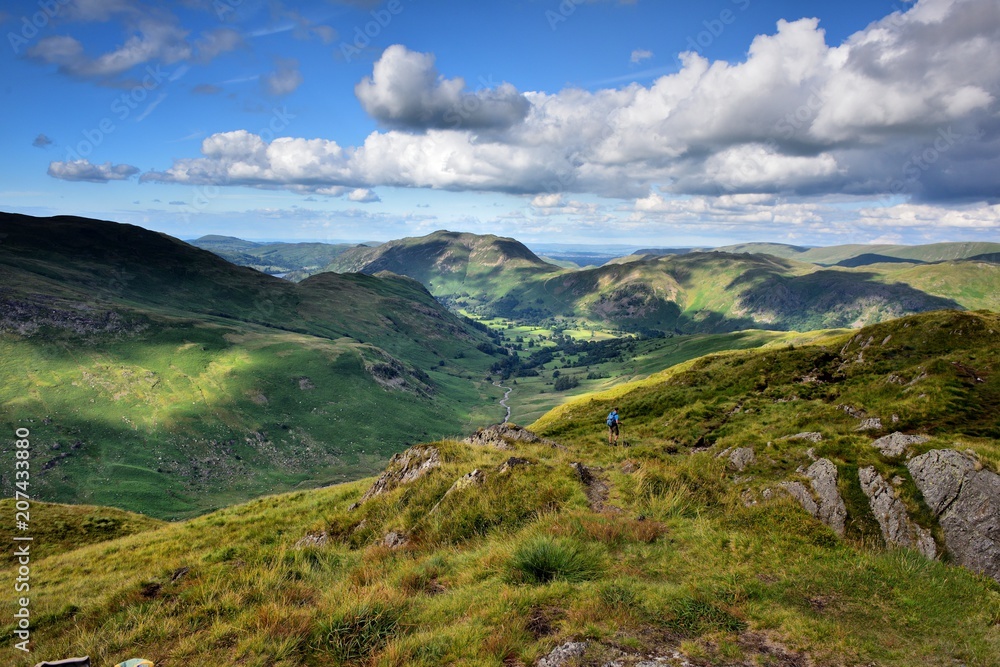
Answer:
(84, 170)
(548, 200)
(363, 196)
(639, 55)
(905, 106)
(406, 91)
(285, 79)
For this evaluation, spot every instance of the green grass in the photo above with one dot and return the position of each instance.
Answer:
(501, 571)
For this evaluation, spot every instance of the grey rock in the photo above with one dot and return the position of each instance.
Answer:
(966, 502)
(811, 436)
(395, 540)
(403, 468)
(895, 444)
(504, 436)
(741, 457)
(890, 512)
(511, 463)
(313, 540)
(832, 512)
(562, 654)
(799, 491)
(870, 424)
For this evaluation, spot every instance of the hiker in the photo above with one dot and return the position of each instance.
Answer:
(613, 422)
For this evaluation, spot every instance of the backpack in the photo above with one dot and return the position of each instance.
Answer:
(612, 418)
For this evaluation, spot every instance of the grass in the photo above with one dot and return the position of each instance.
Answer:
(685, 555)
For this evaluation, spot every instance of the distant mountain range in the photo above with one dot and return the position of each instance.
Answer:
(689, 291)
(273, 258)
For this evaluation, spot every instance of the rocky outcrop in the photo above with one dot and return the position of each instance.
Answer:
(741, 457)
(890, 512)
(403, 468)
(896, 444)
(562, 654)
(827, 506)
(473, 478)
(503, 436)
(832, 512)
(870, 424)
(966, 500)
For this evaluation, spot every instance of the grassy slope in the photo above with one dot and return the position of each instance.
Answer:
(156, 377)
(702, 572)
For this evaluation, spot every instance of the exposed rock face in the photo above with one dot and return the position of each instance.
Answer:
(502, 436)
(967, 504)
(799, 491)
(404, 468)
(562, 654)
(870, 424)
(832, 512)
(895, 444)
(897, 528)
(830, 508)
(741, 457)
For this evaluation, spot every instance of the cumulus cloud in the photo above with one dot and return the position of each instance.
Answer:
(904, 107)
(41, 141)
(406, 91)
(550, 200)
(84, 170)
(363, 196)
(285, 79)
(639, 55)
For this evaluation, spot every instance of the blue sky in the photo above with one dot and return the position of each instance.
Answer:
(666, 123)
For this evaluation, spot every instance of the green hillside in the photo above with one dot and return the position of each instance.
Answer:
(660, 552)
(754, 286)
(157, 377)
(272, 257)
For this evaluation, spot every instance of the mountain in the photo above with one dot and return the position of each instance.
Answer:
(718, 292)
(192, 383)
(272, 258)
(848, 255)
(693, 545)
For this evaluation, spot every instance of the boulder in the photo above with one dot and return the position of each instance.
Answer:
(832, 512)
(890, 512)
(741, 457)
(503, 436)
(895, 444)
(403, 468)
(870, 424)
(799, 491)
(966, 500)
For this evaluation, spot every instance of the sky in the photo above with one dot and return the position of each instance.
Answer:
(638, 122)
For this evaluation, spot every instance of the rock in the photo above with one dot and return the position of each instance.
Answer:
(403, 468)
(799, 491)
(890, 512)
(854, 412)
(741, 457)
(832, 512)
(512, 463)
(313, 540)
(562, 654)
(966, 502)
(503, 436)
(811, 453)
(895, 444)
(870, 424)
(395, 540)
(811, 436)
(473, 478)
(629, 467)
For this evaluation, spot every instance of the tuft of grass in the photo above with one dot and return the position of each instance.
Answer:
(544, 559)
(357, 633)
